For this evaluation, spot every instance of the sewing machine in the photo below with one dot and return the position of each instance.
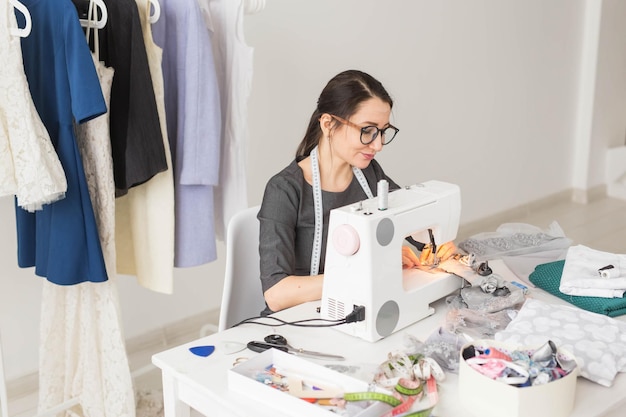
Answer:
(363, 258)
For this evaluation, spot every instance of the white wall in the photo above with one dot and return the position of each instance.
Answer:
(486, 95)
(609, 118)
(485, 91)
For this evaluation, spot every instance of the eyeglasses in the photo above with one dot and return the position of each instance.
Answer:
(370, 133)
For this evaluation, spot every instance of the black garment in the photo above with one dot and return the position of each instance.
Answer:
(136, 137)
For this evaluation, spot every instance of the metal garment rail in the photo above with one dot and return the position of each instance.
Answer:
(4, 397)
(53, 411)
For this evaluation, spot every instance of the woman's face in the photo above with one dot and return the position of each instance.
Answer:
(345, 139)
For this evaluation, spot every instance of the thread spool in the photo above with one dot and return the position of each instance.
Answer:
(608, 272)
(383, 194)
(494, 353)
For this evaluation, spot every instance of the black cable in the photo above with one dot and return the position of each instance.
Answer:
(297, 323)
(357, 314)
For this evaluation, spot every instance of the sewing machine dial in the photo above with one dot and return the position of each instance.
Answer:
(346, 240)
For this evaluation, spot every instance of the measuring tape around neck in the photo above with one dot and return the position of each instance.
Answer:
(316, 251)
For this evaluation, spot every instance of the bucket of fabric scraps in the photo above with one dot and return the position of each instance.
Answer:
(500, 380)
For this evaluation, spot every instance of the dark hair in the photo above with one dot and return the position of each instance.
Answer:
(341, 97)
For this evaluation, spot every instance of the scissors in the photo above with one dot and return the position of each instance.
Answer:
(279, 342)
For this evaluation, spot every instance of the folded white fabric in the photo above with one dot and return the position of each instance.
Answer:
(593, 273)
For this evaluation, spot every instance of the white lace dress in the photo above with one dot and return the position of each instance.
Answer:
(82, 345)
(29, 166)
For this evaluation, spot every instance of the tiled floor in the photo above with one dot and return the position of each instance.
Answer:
(599, 224)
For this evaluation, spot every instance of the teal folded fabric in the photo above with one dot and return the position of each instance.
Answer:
(548, 277)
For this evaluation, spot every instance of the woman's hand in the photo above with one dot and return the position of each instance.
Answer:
(444, 252)
(409, 258)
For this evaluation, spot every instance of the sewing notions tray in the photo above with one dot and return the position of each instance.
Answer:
(244, 378)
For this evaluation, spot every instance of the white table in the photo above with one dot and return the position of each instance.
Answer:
(190, 381)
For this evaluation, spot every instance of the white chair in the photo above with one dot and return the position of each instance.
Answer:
(242, 297)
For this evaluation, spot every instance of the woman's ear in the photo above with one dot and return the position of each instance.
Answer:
(326, 123)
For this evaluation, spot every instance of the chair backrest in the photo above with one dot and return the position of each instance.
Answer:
(242, 297)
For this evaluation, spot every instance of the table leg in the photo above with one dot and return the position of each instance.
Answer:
(172, 404)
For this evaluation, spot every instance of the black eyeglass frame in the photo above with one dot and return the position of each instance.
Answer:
(363, 129)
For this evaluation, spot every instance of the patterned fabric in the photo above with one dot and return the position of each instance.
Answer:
(515, 239)
(82, 351)
(95, 150)
(548, 277)
(598, 342)
(29, 166)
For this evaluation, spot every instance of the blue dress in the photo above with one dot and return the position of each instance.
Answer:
(61, 241)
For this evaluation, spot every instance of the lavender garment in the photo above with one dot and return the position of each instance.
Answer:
(192, 107)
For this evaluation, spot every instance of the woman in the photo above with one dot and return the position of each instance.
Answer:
(334, 161)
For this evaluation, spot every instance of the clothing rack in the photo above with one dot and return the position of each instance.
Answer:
(250, 7)
(4, 396)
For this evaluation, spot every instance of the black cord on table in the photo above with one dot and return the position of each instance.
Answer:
(297, 323)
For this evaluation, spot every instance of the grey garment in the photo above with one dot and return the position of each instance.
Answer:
(287, 220)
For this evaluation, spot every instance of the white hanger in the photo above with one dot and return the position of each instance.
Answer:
(157, 11)
(98, 24)
(29, 24)
(253, 6)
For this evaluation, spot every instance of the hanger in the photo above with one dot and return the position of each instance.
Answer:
(253, 6)
(157, 11)
(29, 24)
(98, 24)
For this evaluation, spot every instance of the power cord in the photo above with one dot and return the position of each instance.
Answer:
(357, 314)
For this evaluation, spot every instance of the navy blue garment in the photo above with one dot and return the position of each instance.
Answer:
(61, 241)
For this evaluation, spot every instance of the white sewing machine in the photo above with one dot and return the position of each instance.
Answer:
(363, 258)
